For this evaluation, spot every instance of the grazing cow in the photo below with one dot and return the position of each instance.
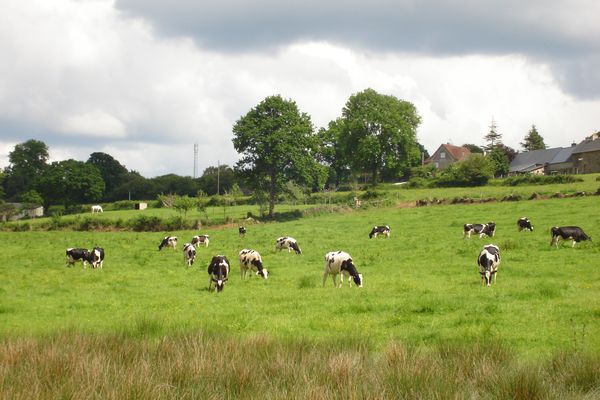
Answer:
(189, 254)
(289, 243)
(251, 260)
(575, 233)
(524, 223)
(198, 240)
(242, 231)
(218, 272)
(488, 262)
(340, 263)
(380, 230)
(168, 241)
(482, 230)
(76, 254)
(97, 209)
(95, 257)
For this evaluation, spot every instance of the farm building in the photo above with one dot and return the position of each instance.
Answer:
(447, 154)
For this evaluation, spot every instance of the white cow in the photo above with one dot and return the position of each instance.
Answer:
(289, 243)
(488, 262)
(97, 209)
(168, 241)
(340, 263)
(189, 254)
(251, 260)
(200, 239)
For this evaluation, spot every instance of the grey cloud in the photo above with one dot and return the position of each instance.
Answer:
(545, 31)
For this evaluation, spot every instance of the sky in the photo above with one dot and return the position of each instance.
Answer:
(143, 80)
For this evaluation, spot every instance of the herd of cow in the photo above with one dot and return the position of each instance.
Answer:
(336, 262)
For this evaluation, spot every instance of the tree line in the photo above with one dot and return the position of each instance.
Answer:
(373, 140)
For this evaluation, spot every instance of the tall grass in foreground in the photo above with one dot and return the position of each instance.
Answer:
(207, 366)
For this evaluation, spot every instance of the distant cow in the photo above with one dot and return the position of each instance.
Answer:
(189, 254)
(289, 243)
(76, 254)
(380, 230)
(488, 262)
(95, 257)
(97, 208)
(200, 239)
(218, 271)
(340, 263)
(242, 231)
(251, 260)
(482, 230)
(524, 223)
(168, 241)
(575, 233)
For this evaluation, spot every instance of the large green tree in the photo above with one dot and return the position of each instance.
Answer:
(533, 140)
(498, 161)
(277, 144)
(222, 176)
(71, 182)
(379, 134)
(331, 154)
(112, 172)
(27, 162)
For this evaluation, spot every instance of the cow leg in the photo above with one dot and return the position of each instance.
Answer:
(209, 282)
(325, 277)
(573, 243)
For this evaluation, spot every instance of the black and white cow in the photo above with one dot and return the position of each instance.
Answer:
(218, 272)
(242, 231)
(289, 243)
(340, 263)
(200, 239)
(575, 233)
(482, 230)
(251, 260)
(380, 230)
(76, 254)
(168, 241)
(488, 262)
(189, 254)
(524, 223)
(96, 257)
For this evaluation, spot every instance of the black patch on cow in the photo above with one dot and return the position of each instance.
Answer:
(294, 246)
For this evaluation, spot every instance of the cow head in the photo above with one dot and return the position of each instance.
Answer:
(264, 273)
(358, 280)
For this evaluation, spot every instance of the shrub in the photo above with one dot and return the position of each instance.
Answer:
(531, 179)
(146, 223)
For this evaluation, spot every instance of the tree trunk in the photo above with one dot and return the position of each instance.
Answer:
(272, 194)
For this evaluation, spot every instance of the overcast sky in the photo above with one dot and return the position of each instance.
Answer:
(143, 80)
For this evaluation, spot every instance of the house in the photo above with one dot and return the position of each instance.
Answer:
(582, 158)
(586, 155)
(542, 162)
(447, 154)
(21, 212)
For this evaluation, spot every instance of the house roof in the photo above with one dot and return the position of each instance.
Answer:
(587, 146)
(457, 152)
(528, 160)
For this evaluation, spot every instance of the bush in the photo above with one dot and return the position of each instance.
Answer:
(146, 223)
(531, 179)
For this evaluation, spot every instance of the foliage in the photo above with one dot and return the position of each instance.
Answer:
(332, 154)
(493, 137)
(532, 179)
(183, 204)
(172, 183)
(474, 171)
(28, 161)
(498, 161)
(7, 210)
(32, 198)
(379, 131)
(113, 173)
(276, 144)
(222, 176)
(473, 148)
(70, 182)
(533, 140)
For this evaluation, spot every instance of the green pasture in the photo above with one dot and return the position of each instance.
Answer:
(421, 286)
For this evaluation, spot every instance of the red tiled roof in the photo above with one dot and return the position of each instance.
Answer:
(458, 153)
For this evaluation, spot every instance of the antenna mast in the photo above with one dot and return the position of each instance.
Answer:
(195, 160)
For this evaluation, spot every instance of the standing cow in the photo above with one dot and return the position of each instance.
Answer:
(488, 262)
(287, 242)
(76, 254)
(218, 272)
(96, 257)
(340, 263)
(242, 231)
(524, 223)
(97, 209)
(200, 239)
(250, 260)
(380, 230)
(482, 230)
(189, 254)
(575, 233)
(168, 241)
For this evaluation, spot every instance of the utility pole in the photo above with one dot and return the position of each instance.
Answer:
(195, 160)
(218, 176)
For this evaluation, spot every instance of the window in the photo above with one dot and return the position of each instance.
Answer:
(442, 155)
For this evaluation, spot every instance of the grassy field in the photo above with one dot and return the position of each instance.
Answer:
(421, 291)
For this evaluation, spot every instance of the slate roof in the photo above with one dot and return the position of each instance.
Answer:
(529, 160)
(587, 146)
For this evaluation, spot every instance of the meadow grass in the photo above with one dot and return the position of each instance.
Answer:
(422, 302)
